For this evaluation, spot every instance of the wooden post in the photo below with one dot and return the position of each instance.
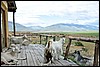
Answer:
(6, 28)
(46, 40)
(40, 38)
(5, 24)
(67, 49)
(96, 54)
(54, 38)
(1, 41)
(14, 22)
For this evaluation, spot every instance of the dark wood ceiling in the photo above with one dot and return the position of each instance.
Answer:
(11, 6)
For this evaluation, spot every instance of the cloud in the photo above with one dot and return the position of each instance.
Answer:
(45, 13)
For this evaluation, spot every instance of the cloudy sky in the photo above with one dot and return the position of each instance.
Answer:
(45, 13)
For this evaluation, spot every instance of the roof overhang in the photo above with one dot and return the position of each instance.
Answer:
(11, 6)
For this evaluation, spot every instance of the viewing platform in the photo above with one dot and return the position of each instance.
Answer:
(34, 57)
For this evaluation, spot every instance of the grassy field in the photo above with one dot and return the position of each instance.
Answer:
(93, 34)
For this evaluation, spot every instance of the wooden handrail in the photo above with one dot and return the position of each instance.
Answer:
(93, 40)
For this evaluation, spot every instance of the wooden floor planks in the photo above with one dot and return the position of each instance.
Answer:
(34, 55)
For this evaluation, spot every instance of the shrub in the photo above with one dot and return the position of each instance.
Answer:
(85, 49)
(78, 44)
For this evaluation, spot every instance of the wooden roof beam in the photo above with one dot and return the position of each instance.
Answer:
(11, 6)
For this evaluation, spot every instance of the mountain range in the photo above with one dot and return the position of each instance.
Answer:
(60, 27)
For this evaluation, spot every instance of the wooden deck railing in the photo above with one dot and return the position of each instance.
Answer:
(46, 35)
(96, 50)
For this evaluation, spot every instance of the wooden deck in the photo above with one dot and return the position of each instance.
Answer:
(34, 57)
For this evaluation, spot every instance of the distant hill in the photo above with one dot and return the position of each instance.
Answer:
(61, 27)
(35, 27)
(19, 27)
(70, 27)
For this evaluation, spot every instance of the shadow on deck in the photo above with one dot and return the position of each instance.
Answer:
(34, 55)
